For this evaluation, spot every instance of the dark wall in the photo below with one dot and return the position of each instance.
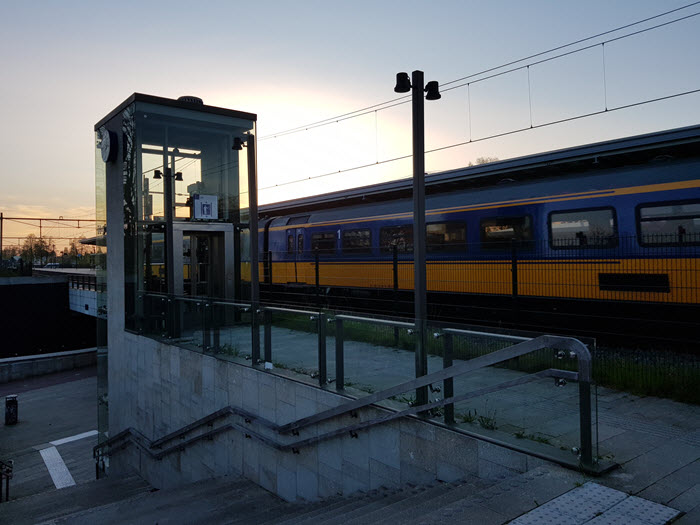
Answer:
(35, 319)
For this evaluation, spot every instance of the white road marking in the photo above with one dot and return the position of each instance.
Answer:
(57, 468)
(74, 438)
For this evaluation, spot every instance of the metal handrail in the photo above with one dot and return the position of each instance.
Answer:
(583, 376)
(459, 331)
(372, 320)
(6, 468)
(525, 347)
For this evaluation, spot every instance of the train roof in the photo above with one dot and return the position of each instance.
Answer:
(640, 149)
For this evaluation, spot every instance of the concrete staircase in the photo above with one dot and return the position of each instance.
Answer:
(236, 500)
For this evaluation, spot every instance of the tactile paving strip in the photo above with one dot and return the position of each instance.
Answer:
(594, 504)
(60, 475)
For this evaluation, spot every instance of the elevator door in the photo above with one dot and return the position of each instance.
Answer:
(204, 264)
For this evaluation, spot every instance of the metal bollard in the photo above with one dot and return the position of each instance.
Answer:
(11, 410)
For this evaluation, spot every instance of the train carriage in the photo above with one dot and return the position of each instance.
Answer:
(590, 239)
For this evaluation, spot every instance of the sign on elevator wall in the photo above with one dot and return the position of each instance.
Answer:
(205, 207)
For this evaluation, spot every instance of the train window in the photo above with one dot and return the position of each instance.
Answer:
(300, 243)
(399, 236)
(669, 223)
(592, 228)
(290, 243)
(499, 233)
(323, 242)
(357, 241)
(446, 236)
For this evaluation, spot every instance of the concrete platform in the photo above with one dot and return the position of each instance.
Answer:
(52, 408)
(657, 443)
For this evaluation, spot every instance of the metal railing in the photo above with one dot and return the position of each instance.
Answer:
(450, 371)
(6, 468)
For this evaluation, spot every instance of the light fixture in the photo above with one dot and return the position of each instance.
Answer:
(403, 83)
(178, 176)
(432, 90)
(237, 144)
(157, 174)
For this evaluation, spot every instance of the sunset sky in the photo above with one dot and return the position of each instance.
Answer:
(67, 64)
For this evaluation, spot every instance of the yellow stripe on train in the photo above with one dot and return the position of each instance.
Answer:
(536, 278)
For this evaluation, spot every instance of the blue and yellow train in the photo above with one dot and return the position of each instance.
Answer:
(597, 239)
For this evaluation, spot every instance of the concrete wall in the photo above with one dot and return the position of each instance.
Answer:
(158, 388)
(83, 301)
(16, 368)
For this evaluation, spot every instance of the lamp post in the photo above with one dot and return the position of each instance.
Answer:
(416, 85)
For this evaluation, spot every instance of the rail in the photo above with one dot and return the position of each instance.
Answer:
(6, 468)
(276, 437)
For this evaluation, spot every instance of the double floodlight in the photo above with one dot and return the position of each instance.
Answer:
(239, 143)
(403, 85)
(157, 174)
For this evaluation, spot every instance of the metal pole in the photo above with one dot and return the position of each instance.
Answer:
(316, 264)
(448, 384)
(584, 392)
(268, 340)
(253, 230)
(169, 206)
(339, 356)
(322, 372)
(419, 248)
(396, 290)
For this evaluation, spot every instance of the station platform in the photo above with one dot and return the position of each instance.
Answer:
(657, 443)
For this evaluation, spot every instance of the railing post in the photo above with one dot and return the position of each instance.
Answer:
(269, 267)
(514, 268)
(322, 372)
(448, 384)
(206, 327)
(395, 266)
(268, 337)
(316, 261)
(215, 329)
(584, 392)
(514, 279)
(339, 357)
(254, 329)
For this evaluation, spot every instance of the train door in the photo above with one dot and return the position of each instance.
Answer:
(295, 254)
(291, 256)
(302, 276)
(266, 254)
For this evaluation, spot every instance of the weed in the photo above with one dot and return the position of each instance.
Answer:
(408, 399)
(488, 422)
(228, 349)
(520, 434)
(468, 417)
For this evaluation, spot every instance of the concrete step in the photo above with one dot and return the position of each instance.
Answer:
(422, 502)
(332, 505)
(502, 501)
(54, 504)
(458, 491)
(219, 500)
(359, 507)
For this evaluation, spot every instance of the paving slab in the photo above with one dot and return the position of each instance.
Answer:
(594, 504)
(51, 408)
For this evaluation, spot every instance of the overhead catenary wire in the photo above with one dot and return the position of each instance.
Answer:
(489, 137)
(404, 99)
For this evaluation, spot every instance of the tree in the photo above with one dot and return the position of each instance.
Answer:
(483, 160)
(37, 250)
